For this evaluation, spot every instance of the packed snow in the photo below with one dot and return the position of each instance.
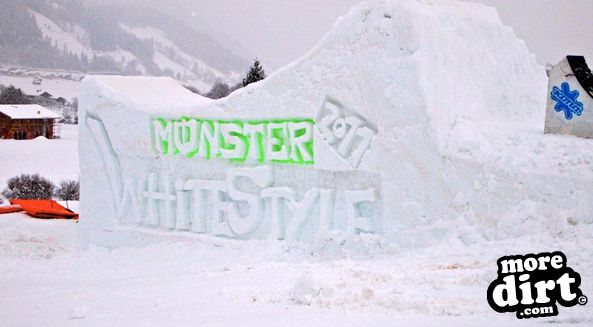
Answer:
(203, 280)
(55, 159)
(467, 177)
(454, 139)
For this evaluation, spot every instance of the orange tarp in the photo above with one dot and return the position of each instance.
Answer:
(45, 209)
(11, 208)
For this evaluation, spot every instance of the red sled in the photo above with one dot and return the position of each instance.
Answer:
(48, 209)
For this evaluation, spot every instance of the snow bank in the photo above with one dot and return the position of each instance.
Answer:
(55, 159)
(413, 120)
(24, 237)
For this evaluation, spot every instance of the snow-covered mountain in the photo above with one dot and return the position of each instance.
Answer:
(124, 39)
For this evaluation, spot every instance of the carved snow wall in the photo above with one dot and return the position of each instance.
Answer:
(366, 133)
(237, 178)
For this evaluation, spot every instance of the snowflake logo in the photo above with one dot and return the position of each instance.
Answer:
(566, 100)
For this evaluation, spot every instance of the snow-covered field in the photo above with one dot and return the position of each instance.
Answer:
(64, 88)
(47, 279)
(55, 159)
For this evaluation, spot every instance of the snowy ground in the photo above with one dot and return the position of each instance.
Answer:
(48, 279)
(67, 89)
(55, 159)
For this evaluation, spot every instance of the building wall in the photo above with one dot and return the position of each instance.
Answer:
(25, 128)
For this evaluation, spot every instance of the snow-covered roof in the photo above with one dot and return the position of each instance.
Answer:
(149, 90)
(27, 111)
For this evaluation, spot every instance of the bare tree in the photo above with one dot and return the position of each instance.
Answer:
(32, 187)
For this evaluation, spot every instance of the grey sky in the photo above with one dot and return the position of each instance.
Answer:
(550, 28)
(279, 31)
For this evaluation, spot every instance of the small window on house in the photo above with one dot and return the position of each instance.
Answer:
(25, 136)
(15, 135)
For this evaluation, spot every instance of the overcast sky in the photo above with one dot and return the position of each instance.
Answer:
(279, 31)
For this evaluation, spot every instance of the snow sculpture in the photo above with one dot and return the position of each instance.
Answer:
(570, 98)
(279, 141)
(382, 128)
(341, 128)
(238, 178)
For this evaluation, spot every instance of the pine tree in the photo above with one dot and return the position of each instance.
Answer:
(219, 90)
(256, 73)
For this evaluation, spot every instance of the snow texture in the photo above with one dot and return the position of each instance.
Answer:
(453, 105)
(27, 111)
(57, 87)
(56, 159)
(440, 109)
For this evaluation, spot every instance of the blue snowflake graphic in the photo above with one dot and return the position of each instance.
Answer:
(566, 100)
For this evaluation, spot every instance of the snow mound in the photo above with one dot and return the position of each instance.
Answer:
(449, 110)
(23, 237)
